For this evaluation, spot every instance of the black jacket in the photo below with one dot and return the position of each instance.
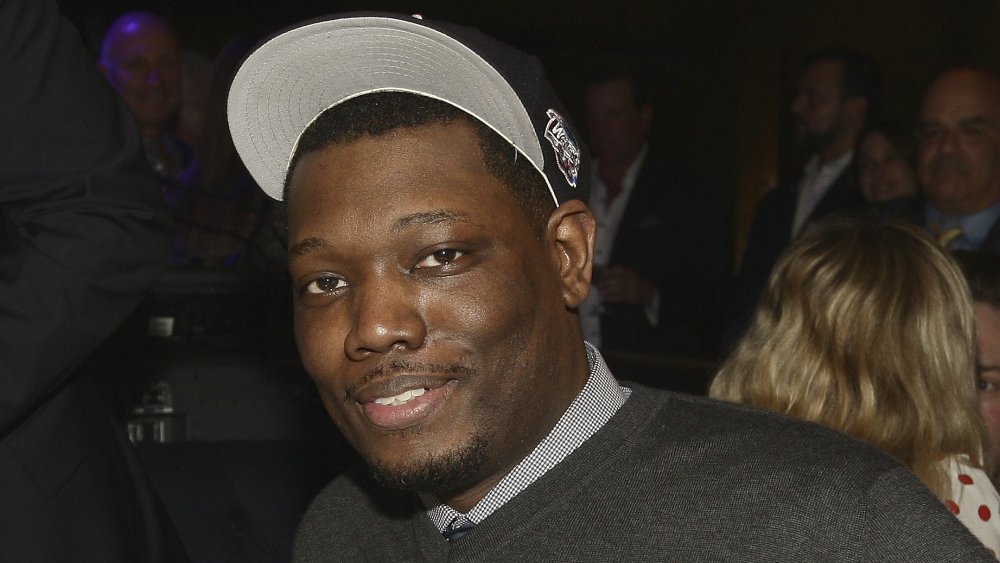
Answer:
(84, 235)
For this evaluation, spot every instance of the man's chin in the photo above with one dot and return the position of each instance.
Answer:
(442, 471)
(946, 193)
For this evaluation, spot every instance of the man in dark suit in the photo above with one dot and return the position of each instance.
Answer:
(83, 235)
(959, 160)
(662, 251)
(838, 92)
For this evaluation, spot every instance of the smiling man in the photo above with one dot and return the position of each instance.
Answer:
(959, 158)
(141, 58)
(439, 251)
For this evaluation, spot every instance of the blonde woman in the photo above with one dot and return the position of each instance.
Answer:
(867, 327)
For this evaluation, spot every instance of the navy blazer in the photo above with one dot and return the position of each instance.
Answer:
(675, 233)
(771, 233)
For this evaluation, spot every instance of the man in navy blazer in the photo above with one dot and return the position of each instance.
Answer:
(837, 94)
(662, 250)
(959, 158)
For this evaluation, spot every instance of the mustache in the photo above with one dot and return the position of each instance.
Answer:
(948, 163)
(392, 367)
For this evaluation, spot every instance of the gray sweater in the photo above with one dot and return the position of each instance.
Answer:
(669, 478)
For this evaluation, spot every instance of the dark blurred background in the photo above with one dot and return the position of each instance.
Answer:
(723, 70)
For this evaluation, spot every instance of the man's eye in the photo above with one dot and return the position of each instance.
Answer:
(987, 386)
(324, 284)
(440, 258)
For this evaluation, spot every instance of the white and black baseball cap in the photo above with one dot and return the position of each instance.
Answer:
(299, 73)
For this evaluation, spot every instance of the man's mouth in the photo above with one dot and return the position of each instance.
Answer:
(408, 408)
(402, 394)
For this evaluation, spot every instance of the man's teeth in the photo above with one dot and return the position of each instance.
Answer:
(402, 398)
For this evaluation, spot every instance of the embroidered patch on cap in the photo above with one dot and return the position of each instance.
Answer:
(566, 149)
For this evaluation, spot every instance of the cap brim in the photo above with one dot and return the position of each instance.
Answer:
(292, 78)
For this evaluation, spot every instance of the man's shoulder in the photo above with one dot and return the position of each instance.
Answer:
(716, 481)
(664, 176)
(754, 437)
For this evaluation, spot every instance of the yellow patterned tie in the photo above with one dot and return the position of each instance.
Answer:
(944, 236)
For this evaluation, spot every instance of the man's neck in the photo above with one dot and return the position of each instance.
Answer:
(150, 131)
(834, 151)
(577, 374)
(962, 210)
(615, 171)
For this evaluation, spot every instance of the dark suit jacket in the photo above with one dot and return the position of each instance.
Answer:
(992, 241)
(674, 233)
(84, 235)
(770, 235)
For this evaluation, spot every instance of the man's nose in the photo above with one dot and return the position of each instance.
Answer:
(948, 140)
(385, 315)
(154, 76)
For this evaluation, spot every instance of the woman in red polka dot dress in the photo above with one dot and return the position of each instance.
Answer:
(867, 327)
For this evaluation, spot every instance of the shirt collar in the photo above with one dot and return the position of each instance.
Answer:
(628, 180)
(975, 227)
(832, 168)
(596, 403)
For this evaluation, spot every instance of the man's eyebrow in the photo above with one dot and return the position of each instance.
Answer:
(306, 246)
(976, 120)
(313, 244)
(429, 218)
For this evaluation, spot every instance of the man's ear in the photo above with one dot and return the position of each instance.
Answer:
(570, 233)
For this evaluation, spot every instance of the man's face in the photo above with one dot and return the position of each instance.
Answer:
(988, 343)
(427, 310)
(144, 66)
(818, 109)
(618, 128)
(959, 164)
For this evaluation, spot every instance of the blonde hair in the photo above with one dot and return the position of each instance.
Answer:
(866, 326)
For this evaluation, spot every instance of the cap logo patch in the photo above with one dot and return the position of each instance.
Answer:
(566, 149)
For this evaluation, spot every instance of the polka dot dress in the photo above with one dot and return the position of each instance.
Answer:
(974, 501)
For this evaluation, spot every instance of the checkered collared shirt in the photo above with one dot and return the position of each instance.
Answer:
(600, 398)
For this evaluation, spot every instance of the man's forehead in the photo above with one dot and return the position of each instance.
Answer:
(959, 111)
(402, 173)
(146, 40)
(963, 96)
(823, 72)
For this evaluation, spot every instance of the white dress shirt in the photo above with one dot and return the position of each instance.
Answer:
(815, 183)
(609, 217)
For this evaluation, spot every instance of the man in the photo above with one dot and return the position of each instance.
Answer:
(437, 274)
(83, 236)
(141, 58)
(662, 250)
(838, 92)
(959, 158)
(982, 271)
